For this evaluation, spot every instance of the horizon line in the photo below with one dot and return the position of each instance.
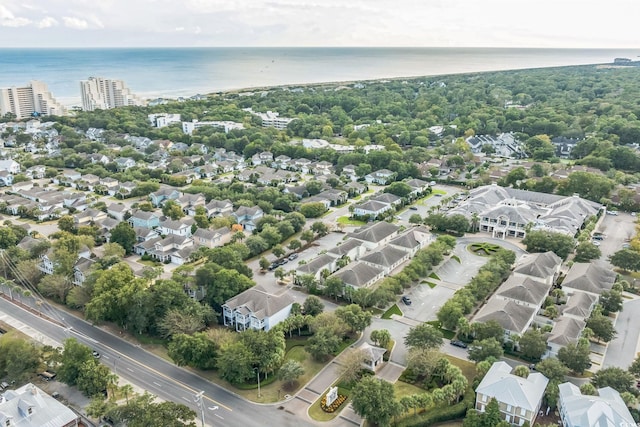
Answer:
(318, 47)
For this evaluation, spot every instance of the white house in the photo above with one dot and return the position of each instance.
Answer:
(10, 166)
(256, 309)
(28, 406)
(519, 398)
(605, 409)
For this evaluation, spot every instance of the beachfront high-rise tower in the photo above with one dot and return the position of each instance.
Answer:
(27, 101)
(101, 93)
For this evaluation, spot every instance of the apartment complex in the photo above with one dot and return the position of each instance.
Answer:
(29, 100)
(103, 94)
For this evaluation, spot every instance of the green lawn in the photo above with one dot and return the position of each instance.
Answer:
(345, 220)
(316, 412)
(405, 389)
(394, 309)
(468, 368)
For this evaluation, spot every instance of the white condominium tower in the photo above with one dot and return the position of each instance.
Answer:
(26, 101)
(101, 93)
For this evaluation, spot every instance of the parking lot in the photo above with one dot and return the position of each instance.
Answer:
(617, 231)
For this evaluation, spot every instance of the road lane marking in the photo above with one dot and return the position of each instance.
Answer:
(129, 369)
(159, 385)
(218, 416)
(185, 399)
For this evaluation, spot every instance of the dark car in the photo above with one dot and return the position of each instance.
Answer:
(458, 343)
(413, 208)
(273, 266)
(406, 300)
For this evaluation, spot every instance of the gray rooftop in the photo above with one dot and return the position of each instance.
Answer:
(591, 277)
(259, 302)
(511, 316)
(513, 390)
(358, 274)
(605, 410)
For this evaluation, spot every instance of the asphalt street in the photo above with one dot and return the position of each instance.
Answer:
(156, 375)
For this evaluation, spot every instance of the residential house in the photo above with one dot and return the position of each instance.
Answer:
(351, 249)
(256, 309)
(579, 305)
(10, 166)
(117, 211)
(189, 202)
(302, 165)
(418, 187)
(247, 217)
(144, 219)
(177, 228)
(300, 191)
(388, 198)
(88, 182)
(281, 162)
(335, 196)
(528, 291)
(375, 235)
(81, 270)
(592, 278)
(18, 187)
(212, 238)
(323, 168)
(544, 267)
(144, 234)
(98, 158)
(387, 258)
(264, 158)
(88, 216)
(217, 208)
(513, 317)
(413, 240)
(380, 177)
(349, 171)
(371, 209)
(125, 189)
(359, 275)
(164, 194)
(316, 266)
(110, 185)
(174, 248)
(76, 201)
(566, 330)
(604, 409)
(6, 179)
(29, 406)
(68, 178)
(519, 398)
(36, 172)
(124, 163)
(504, 145)
(355, 188)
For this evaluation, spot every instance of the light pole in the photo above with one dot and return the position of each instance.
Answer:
(258, 376)
(198, 400)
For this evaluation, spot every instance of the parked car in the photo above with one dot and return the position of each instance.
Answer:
(413, 208)
(614, 213)
(273, 266)
(406, 300)
(96, 354)
(595, 243)
(458, 343)
(292, 257)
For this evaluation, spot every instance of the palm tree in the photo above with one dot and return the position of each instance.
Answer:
(557, 293)
(475, 221)
(126, 389)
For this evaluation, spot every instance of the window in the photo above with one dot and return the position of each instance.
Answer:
(509, 408)
(523, 411)
(484, 397)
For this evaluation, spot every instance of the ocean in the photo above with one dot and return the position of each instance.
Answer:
(173, 72)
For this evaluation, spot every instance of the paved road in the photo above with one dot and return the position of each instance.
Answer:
(622, 350)
(159, 377)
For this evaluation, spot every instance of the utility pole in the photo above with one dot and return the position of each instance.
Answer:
(258, 376)
(198, 400)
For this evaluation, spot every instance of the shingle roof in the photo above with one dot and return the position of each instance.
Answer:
(376, 232)
(345, 248)
(513, 390)
(511, 316)
(580, 304)
(358, 274)
(541, 265)
(589, 277)
(316, 264)
(566, 330)
(527, 290)
(385, 257)
(259, 302)
(372, 206)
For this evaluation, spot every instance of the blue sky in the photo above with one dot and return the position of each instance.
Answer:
(481, 23)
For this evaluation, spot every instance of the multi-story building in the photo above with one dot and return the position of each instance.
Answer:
(30, 100)
(101, 93)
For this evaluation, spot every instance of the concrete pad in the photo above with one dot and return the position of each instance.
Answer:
(390, 372)
(308, 395)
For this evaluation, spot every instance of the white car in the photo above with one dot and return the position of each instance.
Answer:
(614, 213)
(595, 243)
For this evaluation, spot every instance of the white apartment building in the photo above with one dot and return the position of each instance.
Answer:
(24, 101)
(189, 127)
(163, 119)
(103, 94)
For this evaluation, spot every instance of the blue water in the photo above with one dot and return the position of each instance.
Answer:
(171, 72)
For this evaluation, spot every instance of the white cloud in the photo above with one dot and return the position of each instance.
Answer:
(47, 22)
(8, 19)
(75, 23)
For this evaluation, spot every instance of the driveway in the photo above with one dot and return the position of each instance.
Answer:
(623, 349)
(617, 230)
